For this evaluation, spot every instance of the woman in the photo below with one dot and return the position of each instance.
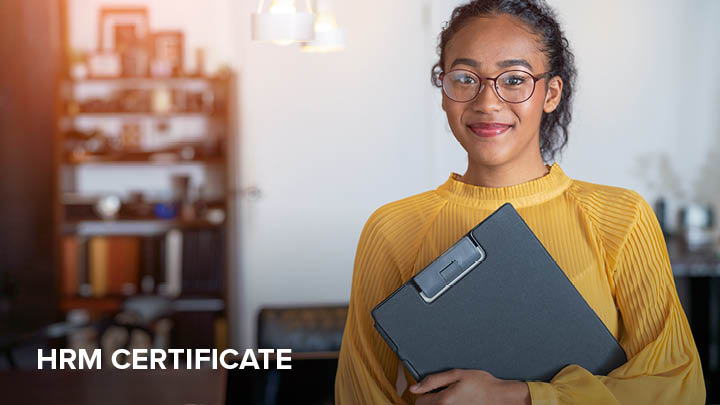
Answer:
(507, 78)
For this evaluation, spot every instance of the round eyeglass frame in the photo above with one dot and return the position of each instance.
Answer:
(495, 86)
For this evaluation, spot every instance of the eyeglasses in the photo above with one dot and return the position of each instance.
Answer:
(512, 86)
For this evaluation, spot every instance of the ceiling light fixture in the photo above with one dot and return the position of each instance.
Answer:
(328, 36)
(282, 24)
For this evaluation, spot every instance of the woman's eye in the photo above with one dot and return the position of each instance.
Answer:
(513, 81)
(465, 79)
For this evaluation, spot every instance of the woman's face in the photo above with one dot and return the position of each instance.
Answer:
(494, 132)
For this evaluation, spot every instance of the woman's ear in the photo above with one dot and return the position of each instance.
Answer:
(553, 94)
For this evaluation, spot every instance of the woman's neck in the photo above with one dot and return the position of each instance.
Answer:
(504, 175)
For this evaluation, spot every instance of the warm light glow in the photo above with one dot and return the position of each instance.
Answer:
(322, 49)
(328, 36)
(284, 42)
(283, 7)
(325, 23)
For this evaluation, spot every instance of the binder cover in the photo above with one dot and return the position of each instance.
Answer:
(495, 301)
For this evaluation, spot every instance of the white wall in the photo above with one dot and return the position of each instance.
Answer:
(328, 139)
(646, 89)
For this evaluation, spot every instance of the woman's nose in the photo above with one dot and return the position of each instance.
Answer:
(487, 99)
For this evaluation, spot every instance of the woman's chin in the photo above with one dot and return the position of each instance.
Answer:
(489, 155)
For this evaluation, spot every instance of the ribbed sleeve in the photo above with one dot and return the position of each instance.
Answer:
(607, 241)
(367, 368)
(663, 365)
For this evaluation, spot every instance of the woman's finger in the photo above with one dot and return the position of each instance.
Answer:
(437, 380)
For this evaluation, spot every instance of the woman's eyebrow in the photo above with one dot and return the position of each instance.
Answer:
(514, 62)
(464, 61)
(502, 64)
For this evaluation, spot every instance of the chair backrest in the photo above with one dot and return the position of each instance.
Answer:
(302, 329)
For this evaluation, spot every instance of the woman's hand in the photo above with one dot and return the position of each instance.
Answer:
(470, 387)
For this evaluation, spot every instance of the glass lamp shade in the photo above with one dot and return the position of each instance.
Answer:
(283, 28)
(328, 36)
(326, 41)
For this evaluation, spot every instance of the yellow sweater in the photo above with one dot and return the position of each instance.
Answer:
(606, 239)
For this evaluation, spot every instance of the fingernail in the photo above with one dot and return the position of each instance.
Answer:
(415, 387)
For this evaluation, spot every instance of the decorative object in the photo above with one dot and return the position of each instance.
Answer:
(135, 59)
(124, 31)
(215, 215)
(118, 27)
(283, 24)
(706, 186)
(125, 37)
(328, 36)
(78, 70)
(104, 65)
(131, 137)
(108, 207)
(200, 62)
(168, 53)
(181, 196)
(161, 100)
(180, 187)
(696, 224)
(165, 210)
(160, 68)
(78, 65)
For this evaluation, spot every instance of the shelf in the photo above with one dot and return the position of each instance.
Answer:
(132, 227)
(686, 263)
(148, 114)
(691, 269)
(143, 160)
(130, 81)
(112, 303)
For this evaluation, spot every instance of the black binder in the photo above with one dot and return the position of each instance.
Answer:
(495, 301)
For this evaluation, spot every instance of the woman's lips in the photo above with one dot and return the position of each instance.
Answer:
(489, 129)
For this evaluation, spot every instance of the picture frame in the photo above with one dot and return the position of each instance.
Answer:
(118, 27)
(168, 50)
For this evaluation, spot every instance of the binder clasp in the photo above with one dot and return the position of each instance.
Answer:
(448, 269)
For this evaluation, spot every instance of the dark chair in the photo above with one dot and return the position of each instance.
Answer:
(302, 329)
(314, 334)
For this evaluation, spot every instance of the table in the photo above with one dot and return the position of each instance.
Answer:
(111, 387)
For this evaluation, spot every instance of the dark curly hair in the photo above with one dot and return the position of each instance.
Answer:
(542, 20)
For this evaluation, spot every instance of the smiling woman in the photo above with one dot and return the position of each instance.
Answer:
(489, 46)
(507, 77)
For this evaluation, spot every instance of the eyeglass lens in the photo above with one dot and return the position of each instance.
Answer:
(513, 86)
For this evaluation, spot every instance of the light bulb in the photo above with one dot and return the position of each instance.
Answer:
(282, 7)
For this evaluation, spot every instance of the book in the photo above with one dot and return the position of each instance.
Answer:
(70, 265)
(98, 265)
(123, 267)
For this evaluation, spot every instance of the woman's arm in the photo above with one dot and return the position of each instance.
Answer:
(367, 368)
(663, 366)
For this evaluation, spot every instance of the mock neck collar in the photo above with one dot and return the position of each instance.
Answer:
(532, 192)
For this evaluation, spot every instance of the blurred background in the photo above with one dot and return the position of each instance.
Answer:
(180, 174)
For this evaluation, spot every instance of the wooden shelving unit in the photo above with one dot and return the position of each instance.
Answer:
(93, 113)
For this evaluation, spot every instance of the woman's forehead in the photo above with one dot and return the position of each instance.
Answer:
(492, 40)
